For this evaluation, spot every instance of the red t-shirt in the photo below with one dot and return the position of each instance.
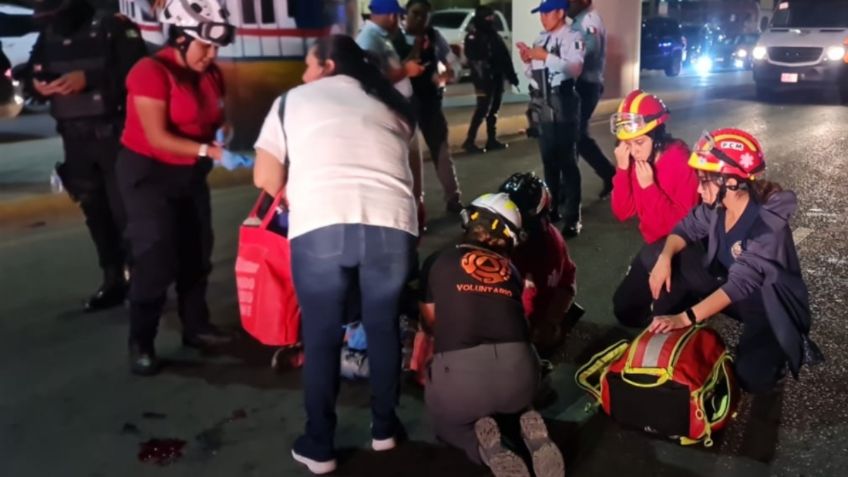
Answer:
(195, 103)
(546, 266)
(663, 204)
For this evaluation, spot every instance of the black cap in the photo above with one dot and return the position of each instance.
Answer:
(527, 190)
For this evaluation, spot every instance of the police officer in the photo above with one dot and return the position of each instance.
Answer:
(79, 63)
(491, 65)
(590, 86)
(553, 64)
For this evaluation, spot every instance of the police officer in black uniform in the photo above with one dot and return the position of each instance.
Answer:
(79, 63)
(491, 65)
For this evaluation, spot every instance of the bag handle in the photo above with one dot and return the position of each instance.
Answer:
(265, 221)
(598, 365)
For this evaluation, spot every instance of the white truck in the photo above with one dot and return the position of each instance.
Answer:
(806, 45)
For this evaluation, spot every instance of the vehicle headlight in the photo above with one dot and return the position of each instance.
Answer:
(835, 53)
(742, 53)
(704, 65)
(759, 52)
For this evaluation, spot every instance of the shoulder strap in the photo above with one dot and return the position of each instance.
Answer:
(282, 112)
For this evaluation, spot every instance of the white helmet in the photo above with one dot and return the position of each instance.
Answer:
(205, 20)
(503, 208)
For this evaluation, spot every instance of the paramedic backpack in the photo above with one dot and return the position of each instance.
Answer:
(679, 384)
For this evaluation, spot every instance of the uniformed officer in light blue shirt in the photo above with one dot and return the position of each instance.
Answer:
(590, 86)
(553, 64)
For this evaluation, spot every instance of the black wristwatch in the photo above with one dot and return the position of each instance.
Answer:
(693, 320)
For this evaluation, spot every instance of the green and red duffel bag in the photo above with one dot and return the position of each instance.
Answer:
(678, 385)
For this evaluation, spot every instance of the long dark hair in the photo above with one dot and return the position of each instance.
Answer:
(761, 191)
(351, 60)
(662, 140)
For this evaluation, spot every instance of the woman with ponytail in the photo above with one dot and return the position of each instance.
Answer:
(338, 148)
(653, 183)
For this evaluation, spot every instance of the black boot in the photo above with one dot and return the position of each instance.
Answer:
(471, 148)
(209, 337)
(111, 293)
(143, 360)
(572, 229)
(492, 144)
(495, 145)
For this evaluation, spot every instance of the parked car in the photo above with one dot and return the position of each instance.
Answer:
(17, 37)
(663, 45)
(455, 23)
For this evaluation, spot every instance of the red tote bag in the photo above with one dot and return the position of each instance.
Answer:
(267, 300)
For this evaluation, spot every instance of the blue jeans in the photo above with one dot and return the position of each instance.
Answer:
(326, 264)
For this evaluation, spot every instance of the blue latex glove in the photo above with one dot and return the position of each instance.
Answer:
(232, 161)
(221, 139)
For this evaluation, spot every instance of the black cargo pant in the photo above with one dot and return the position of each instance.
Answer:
(759, 361)
(559, 129)
(169, 229)
(489, 99)
(590, 93)
(88, 174)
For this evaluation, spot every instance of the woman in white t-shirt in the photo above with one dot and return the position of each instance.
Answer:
(339, 147)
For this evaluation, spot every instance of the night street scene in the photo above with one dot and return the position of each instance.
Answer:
(452, 238)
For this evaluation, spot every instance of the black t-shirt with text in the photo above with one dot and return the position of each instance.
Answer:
(477, 298)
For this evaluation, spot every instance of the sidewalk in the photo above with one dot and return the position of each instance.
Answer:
(25, 166)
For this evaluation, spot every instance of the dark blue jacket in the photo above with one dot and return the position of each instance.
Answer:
(768, 263)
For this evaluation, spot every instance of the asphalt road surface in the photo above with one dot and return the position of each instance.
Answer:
(69, 407)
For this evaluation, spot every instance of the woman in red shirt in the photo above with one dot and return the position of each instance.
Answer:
(653, 183)
(174, 107)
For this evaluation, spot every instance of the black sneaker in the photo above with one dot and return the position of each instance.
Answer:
(210, 337)
(143, 360)
(571, 230)
(472, 148)
(495, 145)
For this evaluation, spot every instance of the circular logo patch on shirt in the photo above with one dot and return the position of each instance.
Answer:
(736, 249)
(486, 267)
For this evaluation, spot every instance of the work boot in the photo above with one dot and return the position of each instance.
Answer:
(547, 458)
(572, 229)
(210, 337)
(143, 360)
(471, 148)
(500, 460)
(111, 293)
(495, 145)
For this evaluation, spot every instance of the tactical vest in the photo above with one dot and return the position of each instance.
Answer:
(88, 50)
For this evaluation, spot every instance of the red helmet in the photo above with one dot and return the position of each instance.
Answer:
(639, 114)
(729, 152)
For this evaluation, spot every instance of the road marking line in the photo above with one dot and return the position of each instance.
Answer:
(800, 234)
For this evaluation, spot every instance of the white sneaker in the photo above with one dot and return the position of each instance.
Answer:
(381, 445)
(317, 468)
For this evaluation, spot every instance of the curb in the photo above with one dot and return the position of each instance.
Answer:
(512, 123)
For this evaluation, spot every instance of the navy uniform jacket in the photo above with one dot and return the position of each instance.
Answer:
(768, 263)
